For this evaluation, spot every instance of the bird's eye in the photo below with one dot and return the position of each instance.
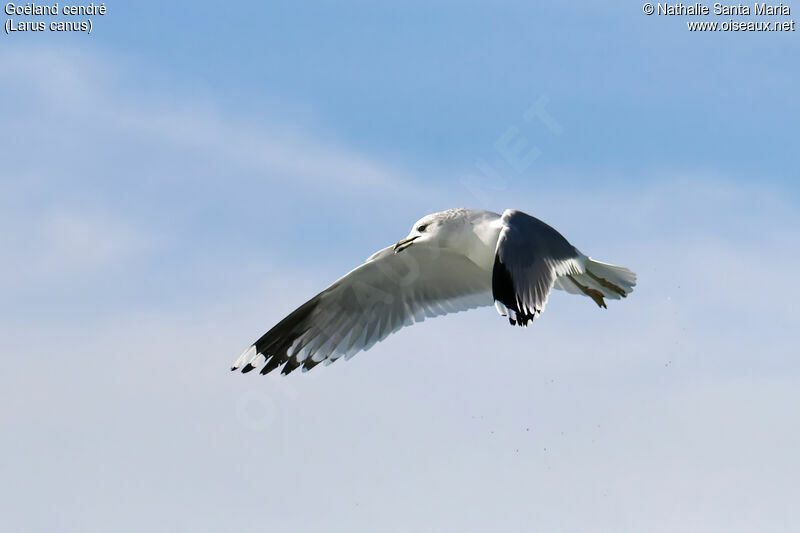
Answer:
(422, 228)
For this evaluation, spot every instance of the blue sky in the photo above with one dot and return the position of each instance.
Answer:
(175, 183)
(439, 80)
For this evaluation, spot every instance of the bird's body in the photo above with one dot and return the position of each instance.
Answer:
(451, 261)
(471, 232)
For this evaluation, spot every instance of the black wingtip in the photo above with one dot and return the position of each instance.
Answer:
(503, 291)
(290, 365)
(502, 285)
(309, 363)
(247, 368)
(271, 365)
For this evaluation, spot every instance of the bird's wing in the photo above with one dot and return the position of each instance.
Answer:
(530, 256)
(388, 292)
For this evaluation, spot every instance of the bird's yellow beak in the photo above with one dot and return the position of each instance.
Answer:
(405, 243)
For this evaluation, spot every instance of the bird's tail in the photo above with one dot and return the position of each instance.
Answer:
(598, 281)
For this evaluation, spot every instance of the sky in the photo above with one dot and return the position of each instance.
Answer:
(176, 182)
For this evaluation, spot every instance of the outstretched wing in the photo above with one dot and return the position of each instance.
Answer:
(388, 292)
(530, 256)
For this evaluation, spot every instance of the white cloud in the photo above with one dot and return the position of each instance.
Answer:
(67, 90)
(101, 175)
(58, 245)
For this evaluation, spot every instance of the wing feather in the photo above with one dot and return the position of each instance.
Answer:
(529, 258)
(385, 294)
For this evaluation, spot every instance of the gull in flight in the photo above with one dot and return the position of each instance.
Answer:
(451, 261)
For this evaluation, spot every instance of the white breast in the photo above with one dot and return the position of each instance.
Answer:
(482, 242)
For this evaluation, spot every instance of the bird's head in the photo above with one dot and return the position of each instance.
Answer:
(430, 230)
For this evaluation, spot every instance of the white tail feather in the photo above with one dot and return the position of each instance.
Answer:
(612, 281)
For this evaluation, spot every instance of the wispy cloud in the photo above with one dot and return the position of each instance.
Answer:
(69, 90)
(54, 246)
(99, 173)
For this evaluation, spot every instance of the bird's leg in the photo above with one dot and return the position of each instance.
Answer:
(594, 294)
(607, 284)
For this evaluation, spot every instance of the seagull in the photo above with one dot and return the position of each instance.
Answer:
(451, 261)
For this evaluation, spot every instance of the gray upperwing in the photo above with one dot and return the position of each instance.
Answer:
(530, 256)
